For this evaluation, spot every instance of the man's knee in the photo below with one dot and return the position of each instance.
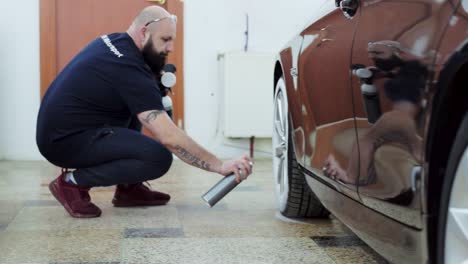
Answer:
(166, 161)
(160, 165)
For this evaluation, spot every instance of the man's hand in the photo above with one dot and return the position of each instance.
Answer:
(241, 167)
(179, 143)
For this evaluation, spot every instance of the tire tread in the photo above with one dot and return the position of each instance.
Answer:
(302, 202)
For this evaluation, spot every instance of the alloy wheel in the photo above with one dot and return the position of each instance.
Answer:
(456, 238)
(280, 144)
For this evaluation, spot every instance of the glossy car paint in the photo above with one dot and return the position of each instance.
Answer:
(417, 26)
(329, 116)
(397, 243)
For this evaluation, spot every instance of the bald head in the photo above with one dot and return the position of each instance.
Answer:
(161, 32)
(154, 31)
(148, 14)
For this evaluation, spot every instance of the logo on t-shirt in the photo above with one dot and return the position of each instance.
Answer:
(111, 46)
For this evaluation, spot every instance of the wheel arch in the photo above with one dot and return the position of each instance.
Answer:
(449, 100)
(277, 74)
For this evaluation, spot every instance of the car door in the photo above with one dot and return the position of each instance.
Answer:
(324, 85)
(393, 50)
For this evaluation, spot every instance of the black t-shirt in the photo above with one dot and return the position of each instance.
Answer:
(106, 84)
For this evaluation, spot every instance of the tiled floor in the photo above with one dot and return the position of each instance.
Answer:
(243, 228)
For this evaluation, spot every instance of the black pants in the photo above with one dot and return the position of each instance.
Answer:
(110, 155)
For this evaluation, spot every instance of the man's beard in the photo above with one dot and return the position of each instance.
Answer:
(155, 60)
(388, 64)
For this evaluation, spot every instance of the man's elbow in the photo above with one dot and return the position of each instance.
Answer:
(168, 137)
(168, 141)
(161, 127)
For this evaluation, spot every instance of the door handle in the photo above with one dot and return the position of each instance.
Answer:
(415, 177)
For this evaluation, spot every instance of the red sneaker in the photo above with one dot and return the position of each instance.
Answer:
(74, 198)
(138, 195)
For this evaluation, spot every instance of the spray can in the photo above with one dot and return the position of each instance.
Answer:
(220, 189)
(371, 102)
(369, 91)
(167, 103)
(168, 80)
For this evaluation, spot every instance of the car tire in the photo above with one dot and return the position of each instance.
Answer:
(452, 233)
(293, 195)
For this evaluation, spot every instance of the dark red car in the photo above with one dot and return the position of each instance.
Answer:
(371, 125)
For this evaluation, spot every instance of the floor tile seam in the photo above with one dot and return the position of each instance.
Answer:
(16, 216)
(304, 239)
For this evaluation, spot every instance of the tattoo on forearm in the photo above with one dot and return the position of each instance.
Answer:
(153, 115)
(192, 159)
